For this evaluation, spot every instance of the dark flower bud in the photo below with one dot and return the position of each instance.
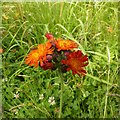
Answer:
(49, 58)
(49, 36)
(55, 57)
(67, 52)
(47, 65)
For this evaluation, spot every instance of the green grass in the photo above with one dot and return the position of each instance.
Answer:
(94, 26)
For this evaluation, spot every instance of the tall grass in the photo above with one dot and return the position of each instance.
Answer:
(94, 26)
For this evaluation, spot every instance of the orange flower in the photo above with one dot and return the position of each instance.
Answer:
(44, 50)
(65, 44)
(1, 50)
(75, 62)
(33, 58)
(39, 54)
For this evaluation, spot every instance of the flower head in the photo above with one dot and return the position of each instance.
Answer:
(41, 96)
(39, 54)
(65, 44)
(16, 95)
(51, 100)
(33, 58)
(75, 62)
(4, 79)
(44, 50)
(58, 53)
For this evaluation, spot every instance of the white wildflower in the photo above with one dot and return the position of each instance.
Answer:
(16, 95)
(4, 79)
(41, 96)
(51, 100)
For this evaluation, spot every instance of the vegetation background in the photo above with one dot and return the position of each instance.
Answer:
(26, 90)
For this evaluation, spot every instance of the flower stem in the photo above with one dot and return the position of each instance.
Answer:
(61, 95)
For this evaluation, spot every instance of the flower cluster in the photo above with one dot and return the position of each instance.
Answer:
(58, 53)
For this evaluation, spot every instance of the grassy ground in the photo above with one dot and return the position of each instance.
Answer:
(94, 26)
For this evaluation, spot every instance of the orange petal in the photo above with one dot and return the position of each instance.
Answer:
(65, 44)
(75, 62)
